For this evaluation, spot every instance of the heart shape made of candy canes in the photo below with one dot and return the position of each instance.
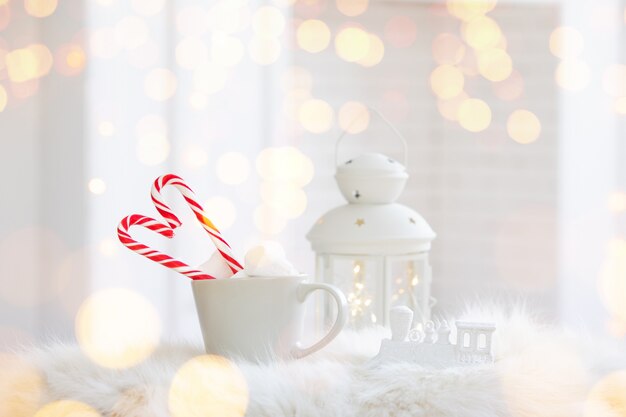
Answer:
(167, 229)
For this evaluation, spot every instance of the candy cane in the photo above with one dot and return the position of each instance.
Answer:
(222, 246)
(154, 255)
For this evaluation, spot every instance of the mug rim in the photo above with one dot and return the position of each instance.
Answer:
(256, 278)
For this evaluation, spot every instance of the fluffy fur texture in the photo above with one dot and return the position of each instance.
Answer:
(538, 372)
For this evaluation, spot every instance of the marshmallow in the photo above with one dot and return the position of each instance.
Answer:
(267, 260)
(216, 266)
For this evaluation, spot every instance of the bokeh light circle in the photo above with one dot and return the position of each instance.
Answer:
(67, 408)
(494, 64)
(447, 81)
(375, 53)
(97, 186)
(269, 220)
(448, 49)
(263, 50)
(566, 42)
(4, 98)
(268, 21)
(523, 126)
(233, 168)
(474, 115)
(208, 385)
(160, 84)
(614, 80)
(482, 32)
(316, 116)
(572, 74)
(607, 398)
(40, 8)
(354, 117)
(117, 328)
(352, 44)
(352, 7)
(191, 52)
(285, 164)
(221, 211)
(313, 35)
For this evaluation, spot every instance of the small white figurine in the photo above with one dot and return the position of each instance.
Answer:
(431, 346)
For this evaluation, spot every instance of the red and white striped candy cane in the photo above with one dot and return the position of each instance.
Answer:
(154, 255)
(170, 179)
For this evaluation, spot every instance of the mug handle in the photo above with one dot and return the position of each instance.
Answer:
(304, 290)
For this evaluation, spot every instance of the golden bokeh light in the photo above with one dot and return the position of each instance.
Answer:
(316, 116)
(108, 247)
(353, 117)
(191, 53)
(449, 108)
(28, 63)
(232, 168)
(474, 115)
(198, 100)
(510, 89)
(221, 211)
(375, 53)
(22, 387)
(523, 126)
(226, 50)
(448, 49)
(70, 60)
(67, 408)
(40, 8)
(97, 186)
(494, 64)
(352, 44)
(352, 7)
(210, 78)
(612, 285)
(619, 105)
(264, 51)
(285, 164)
(607, 398)
(287, 199)
(617, 202)
(482, 32)
(268, 21)
(195, 156)
(467, 10)
(614, 80)
(117, 328)
(400, 31)
(106, 128)
(572, 74)
(269, 220)
(131, 32)
(447, 81)
(313, 35)
(148, 7)
(4, 98)
(208, 385)
(160, 84)
(566, 42)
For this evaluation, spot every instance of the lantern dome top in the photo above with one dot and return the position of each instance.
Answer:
(371, 229)
(371, 178)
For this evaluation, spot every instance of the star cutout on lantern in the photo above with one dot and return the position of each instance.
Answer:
(357, 194)
(359, 222)
(412, 220)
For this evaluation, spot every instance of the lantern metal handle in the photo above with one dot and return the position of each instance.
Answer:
(387, 122)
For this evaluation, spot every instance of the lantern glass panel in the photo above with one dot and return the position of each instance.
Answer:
(361, 280)
(409, 284)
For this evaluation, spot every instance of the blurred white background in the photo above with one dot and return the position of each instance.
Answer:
(514, 112)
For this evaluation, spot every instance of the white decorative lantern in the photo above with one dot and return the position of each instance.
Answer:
(374, 249)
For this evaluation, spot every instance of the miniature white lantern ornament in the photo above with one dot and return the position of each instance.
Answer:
(373, 248)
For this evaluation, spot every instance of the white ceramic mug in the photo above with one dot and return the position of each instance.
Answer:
(260, 319)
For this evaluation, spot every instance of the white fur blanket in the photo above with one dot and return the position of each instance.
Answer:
(538, 372)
